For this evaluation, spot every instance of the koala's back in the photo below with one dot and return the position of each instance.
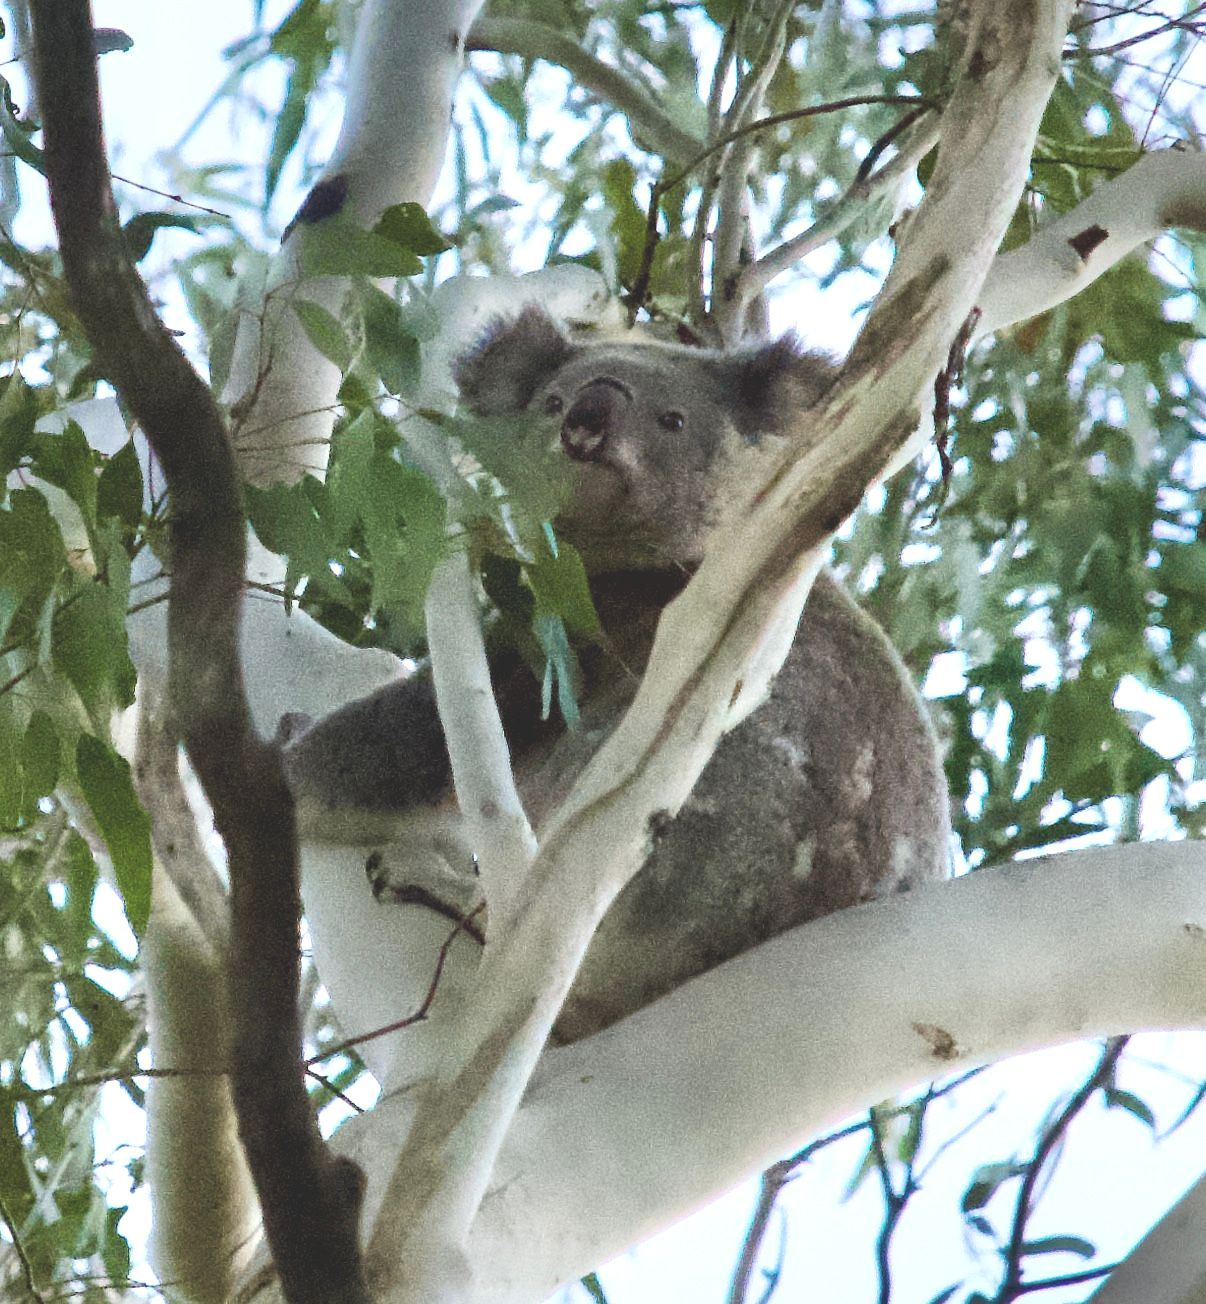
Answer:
(829, 795)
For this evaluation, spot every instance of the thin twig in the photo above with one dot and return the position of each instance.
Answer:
(774, 1179)
(533, 40)
(166, 194)
(844, 211)
(1012, 1285)
(667, 184)
(23, 1258)
(463, 925)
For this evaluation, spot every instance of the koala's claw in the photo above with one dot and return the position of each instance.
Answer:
(388, 889)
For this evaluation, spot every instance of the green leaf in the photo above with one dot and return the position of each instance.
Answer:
(119, 487)
(352, 451)
(561, 588)
(19, 410)
(286, 520)
(10, 763)
(15, 1187)
(1061, 1245)
(302, 34)
(337, 247)
(40, 757)
(393, 352)
(404, 518)
(325, 331)
(141, 229)
(32, 555)
(66, 460)
(91, 650)
(221, 350)
(17, 133)
(1116, 1098)
(111, 1023)
(507, 93)
(289, 124)
(593, 1287)
(560, 669)
(986, 1180)
(409, 226)
(124, 826)
(1183, 569)
(627, 216)
(109, 40)
(114, 1248)
(520, 453)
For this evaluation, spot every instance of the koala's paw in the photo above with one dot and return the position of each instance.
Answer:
(400, 876)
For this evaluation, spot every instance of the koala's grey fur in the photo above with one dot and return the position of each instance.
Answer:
(830, 794)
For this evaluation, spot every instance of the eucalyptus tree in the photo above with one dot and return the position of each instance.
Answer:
(1007, 459)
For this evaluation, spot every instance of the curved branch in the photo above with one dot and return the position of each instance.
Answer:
(174, 831)
(1168, 1266)
(1162, 190)
(648, 121)
(310, 1200)
(811, 1027)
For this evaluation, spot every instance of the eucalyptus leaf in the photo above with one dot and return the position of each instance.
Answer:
(108, 788)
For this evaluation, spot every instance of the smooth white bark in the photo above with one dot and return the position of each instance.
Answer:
(205, 1222)
(732, 198)
(1169, 1265)
(633, 1129)
(481, 760)
(1162, 190)
(403, 70)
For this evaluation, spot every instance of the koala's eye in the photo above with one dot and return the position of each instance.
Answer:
(553, 405)
(671, 420)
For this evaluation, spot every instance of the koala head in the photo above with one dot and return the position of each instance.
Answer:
(663, 437)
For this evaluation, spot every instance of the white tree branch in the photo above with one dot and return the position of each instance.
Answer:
(477, 746)
(732, 212)
(206, 1216)
(755, 577)
(403, 70)
(1168, 1266)
(647, 120)
(844, 212)
(1162, 190)
(759, 1053)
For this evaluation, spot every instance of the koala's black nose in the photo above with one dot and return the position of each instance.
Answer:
(590, 418)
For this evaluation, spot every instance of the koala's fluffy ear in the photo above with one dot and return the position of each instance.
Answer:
(508, 364)
(771, 383)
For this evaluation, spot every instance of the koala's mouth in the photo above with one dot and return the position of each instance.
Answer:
(602, 487)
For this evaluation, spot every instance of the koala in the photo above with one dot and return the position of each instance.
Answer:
(830, 793)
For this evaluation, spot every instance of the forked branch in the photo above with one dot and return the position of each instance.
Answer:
(713, 646)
